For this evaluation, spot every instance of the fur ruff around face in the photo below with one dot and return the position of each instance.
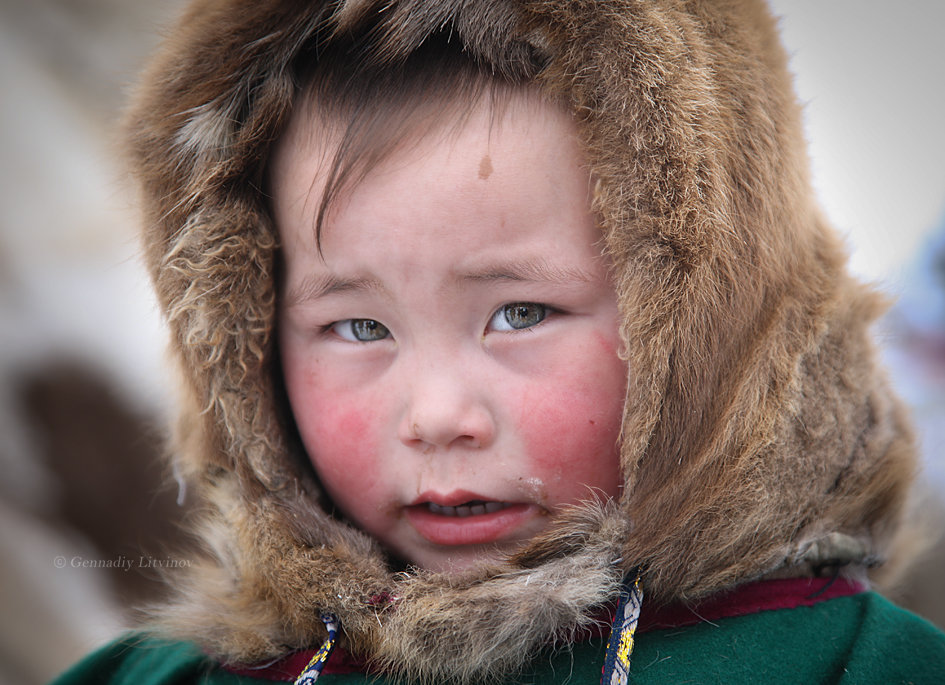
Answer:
(758, 438)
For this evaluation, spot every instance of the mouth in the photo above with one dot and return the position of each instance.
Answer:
(472, 508)
(463, 518)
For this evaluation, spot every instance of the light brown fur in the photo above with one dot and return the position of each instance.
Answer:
(759, 436)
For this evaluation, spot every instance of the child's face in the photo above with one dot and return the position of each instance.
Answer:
(451, 356)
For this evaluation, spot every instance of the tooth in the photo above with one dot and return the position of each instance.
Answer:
(473, 508)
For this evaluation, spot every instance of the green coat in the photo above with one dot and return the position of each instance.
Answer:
(859, 639)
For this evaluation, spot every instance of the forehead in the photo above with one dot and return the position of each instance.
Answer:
(518, 154)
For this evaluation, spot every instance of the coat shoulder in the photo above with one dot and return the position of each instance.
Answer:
(862, 639)
(138, 660)
(894, 645)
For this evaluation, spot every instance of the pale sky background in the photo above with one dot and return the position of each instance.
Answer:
(872, 75)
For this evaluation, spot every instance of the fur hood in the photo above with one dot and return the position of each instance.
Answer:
(759, 437)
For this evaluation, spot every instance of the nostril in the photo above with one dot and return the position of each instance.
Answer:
(443, 423)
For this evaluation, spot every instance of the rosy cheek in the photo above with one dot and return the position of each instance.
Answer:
(343, 444)
(571, 426)
(339, 431)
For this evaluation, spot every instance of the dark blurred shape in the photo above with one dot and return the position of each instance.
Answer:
(921, 588)
(104, 457)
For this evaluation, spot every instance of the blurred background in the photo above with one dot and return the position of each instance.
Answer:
(87, 518)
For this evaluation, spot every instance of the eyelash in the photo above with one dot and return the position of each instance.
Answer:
(350, 333)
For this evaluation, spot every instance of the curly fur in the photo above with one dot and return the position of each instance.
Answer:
(759, 436)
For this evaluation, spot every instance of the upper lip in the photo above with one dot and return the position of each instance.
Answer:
(451, 499)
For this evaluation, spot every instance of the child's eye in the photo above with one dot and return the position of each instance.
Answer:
(360, 330)
(518, 315)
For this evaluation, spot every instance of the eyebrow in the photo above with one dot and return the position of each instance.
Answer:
(318, 286)
(538, 271)
(315, 287)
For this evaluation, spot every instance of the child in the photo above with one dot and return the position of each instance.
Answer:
(497, 319)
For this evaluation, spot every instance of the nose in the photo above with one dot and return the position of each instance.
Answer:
(446, 407)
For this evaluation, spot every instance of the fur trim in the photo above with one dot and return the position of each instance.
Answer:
(759, 436)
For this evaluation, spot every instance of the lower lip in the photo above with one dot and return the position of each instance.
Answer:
(470, 530)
